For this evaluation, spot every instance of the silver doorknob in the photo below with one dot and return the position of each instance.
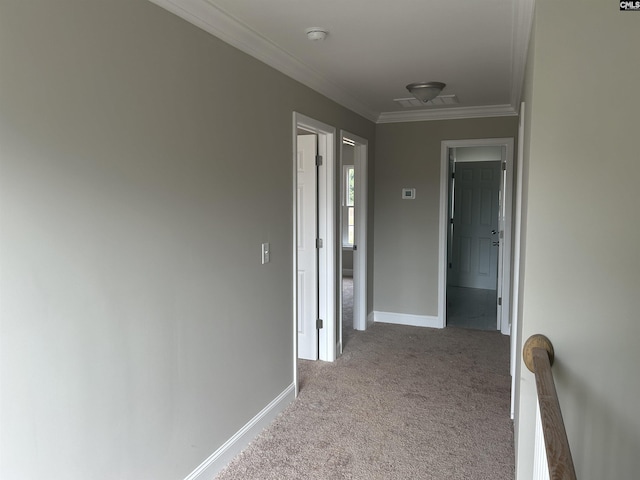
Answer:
(493, 232)
(495, 244)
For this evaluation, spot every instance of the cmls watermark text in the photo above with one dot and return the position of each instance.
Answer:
(627, 6)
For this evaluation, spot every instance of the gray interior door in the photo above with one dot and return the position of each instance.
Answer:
(476, 203)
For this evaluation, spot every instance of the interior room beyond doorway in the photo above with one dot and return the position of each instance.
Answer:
(476, 183)
(348, 182)
(353, 233)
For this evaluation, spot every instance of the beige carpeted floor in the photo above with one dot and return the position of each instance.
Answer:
(400, 403)
(347, 310)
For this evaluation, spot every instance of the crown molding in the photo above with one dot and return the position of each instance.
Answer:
(220, 24)
(448, 114)
(217, 22)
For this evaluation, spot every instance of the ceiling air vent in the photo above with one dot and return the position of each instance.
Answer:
(436, 102)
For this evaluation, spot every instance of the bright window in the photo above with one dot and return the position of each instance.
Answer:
(348, 205)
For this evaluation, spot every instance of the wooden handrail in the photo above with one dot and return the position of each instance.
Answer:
(538, 357)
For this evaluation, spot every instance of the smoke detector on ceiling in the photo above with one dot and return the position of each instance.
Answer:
(317, 33)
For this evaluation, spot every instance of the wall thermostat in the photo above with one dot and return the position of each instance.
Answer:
(408, 193)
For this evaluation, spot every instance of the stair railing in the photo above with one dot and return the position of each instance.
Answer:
(538, 357)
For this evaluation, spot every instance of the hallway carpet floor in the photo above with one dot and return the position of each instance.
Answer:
(400, 403)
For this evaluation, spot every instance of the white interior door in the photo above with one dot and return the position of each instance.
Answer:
(321, 326)
(307, 252)
(476, 206)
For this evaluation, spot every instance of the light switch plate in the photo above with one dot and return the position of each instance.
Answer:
(266, 254)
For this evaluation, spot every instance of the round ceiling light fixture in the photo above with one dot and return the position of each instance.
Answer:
(316, 33)
(425, 91)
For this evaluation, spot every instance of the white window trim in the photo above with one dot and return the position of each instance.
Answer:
(345, 217)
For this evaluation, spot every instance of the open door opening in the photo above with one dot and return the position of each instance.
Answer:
(475, 236)
(314, 240)
(353, 235)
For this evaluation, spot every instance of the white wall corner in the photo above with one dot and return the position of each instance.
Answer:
(232, 447)
(407, 319)
(523, 11)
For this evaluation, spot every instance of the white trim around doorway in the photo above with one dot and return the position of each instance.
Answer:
(361, 146)
(508, 143)
(326, 232)
(517, 245)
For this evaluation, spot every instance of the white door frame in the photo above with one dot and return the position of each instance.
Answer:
(517, 239)
(361, 146)
(326, 232)
(505, 314)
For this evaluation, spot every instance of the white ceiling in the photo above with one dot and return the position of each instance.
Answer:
(376, 47)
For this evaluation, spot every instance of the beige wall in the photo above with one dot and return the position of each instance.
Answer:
(347, 260)
(406, 231)
(138, 180)
(582, 266)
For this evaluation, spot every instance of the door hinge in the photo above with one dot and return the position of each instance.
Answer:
(318, 243)
(318, 160)
(453, 175)
(451, 221)
(499, 300)
(319, 323)
(504, 165)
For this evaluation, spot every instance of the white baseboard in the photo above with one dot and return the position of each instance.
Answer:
(370, 319)
(232, 447)
(407, 319)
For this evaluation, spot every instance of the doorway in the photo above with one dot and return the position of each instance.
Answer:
(475, 234)
(314, 252)
(352, 314)
(473, 243)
